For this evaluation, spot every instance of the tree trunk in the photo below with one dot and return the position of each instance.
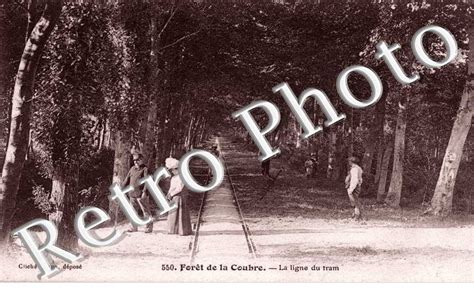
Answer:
(375, 134)
(122, 145)
(368, 157)
(341, 155)
(350, 147)
(297, 132)
(196, 131)
(374, 139)
(166, 133)
(64, 196)
(202, 133)
(442, 200)
(107, 137)
(160, 154)
(31, 19)
(149, 148)
(395, 189)
(379, 163)
(382, 181)
(4, 79)
(21, 111)
(189, 133)
(101, 140)
(332, 138)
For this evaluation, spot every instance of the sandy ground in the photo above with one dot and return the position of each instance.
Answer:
(353, 252)
(301, 232)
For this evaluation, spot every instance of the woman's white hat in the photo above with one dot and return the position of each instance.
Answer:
(171, 163)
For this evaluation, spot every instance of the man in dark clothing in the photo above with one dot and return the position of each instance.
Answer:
(310, 166)
(138, 197)
(215, 151)
(266, 168)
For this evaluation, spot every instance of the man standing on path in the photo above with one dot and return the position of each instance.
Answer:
(353, 186)
(138, 196)
(215, 150)
(310, 166)
(266, 168)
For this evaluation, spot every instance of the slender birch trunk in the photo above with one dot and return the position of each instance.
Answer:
(21, 112)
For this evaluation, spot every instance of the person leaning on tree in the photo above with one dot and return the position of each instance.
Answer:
(138, 197)
(353, 186)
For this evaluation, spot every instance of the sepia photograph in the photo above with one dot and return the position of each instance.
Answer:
(242, 141)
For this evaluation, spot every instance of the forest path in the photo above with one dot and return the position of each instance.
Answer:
(221, 230)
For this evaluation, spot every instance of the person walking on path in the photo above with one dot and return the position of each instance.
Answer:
(179, 220)
(310, 166)
(353, 186)
(266, 168)
(138, 197)
(215, 150)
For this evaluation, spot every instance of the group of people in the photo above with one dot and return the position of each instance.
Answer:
(179, 220)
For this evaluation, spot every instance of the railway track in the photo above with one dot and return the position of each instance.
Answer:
(221, 229)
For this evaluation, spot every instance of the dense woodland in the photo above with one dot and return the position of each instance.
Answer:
(86, 83)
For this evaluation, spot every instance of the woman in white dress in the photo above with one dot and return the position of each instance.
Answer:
(179, 220)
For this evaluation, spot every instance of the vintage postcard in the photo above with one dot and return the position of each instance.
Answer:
(236, 141)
